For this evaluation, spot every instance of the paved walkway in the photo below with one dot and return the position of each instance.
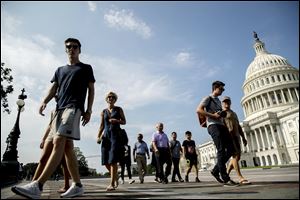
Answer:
(266, 184)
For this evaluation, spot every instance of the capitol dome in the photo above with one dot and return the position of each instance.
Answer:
(271, 83)
(264, 61)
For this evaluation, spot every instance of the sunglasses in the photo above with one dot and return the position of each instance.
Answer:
(111, 97)
(71, 46)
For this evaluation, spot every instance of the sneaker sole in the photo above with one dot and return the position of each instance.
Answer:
(19, 192)
(73, 195)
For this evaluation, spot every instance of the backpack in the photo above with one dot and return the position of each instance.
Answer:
(202, 118)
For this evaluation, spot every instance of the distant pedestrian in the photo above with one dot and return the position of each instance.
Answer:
(190, 154)
(126, 162)
(140, 151)
(176, 150)
(236, 133)
(162, 151)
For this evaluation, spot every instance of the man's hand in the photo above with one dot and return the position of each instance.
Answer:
(42, 108)
(86, 118)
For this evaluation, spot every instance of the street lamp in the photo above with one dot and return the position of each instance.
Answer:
(10, 164)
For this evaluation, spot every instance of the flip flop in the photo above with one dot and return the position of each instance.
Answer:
(244, 182)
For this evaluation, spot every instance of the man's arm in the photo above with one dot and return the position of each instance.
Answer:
(91, 94)
(50, 95)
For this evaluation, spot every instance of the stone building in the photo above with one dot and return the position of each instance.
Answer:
(271, 108)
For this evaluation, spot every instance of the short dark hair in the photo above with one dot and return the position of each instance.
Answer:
(217, 84)
(73, 40)
(140, 135)
(188, 133)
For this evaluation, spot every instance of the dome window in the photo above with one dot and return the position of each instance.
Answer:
(273, 79)
(283, 77)
(278, 78)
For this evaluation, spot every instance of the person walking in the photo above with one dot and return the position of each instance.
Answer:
(71, 82)
(47, 146)
(126, 162)
(140, 151)
(162, 151)
(109, 134)
(190, 154)
(211, 107)
(236, 133)
(176, 150)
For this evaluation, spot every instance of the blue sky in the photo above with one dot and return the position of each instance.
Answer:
(159, 57)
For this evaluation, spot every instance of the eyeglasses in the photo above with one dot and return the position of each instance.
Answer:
(71, 46)
(111, 97)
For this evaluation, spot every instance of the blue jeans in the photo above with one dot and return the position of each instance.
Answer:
(223, 143)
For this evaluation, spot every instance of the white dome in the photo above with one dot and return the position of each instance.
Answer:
(265, 61)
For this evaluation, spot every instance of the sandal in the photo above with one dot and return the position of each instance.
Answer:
(244, 182)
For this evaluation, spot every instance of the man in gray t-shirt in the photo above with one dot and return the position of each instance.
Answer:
(176, 149)
(211, 107)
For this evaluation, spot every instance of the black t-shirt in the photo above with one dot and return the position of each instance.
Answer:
(189, 148)
(72, 83)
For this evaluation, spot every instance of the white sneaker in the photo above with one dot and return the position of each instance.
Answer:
(73, 191)
(30, 190)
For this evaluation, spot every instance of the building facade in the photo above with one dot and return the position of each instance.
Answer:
(271, 108)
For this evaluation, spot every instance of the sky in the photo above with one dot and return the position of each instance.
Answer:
(159, 57)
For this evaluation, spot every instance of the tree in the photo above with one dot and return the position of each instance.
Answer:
(82, 163)
(6, 78)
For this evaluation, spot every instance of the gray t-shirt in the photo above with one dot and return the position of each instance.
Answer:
(212, 105)
(175, 147)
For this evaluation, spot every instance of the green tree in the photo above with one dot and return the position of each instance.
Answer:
(29, 170)
(82, 163)
(6, 86)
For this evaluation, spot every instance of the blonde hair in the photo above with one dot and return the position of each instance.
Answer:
(111, 94)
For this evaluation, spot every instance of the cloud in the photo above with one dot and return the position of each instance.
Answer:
(183, 58)
(43, 40)
(134, 82)
(92, 6)
(10, 24)
(125, 20)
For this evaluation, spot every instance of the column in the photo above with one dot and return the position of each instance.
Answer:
(269, 98)
(264, 100)
(296, 92)
(248, 138)
(252, 142)
(276, 99)
(273, 135)
(280, 135)
(262, 139)
(283, 97)
(258, 145)
(291, 97)
(267, 136)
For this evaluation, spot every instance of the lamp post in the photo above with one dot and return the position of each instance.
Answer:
(10, 164)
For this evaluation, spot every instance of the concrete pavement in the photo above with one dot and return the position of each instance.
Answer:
(275, 183)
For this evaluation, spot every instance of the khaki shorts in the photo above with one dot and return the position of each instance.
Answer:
(65, 123)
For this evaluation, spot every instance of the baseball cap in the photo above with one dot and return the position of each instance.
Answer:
(226, 98)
